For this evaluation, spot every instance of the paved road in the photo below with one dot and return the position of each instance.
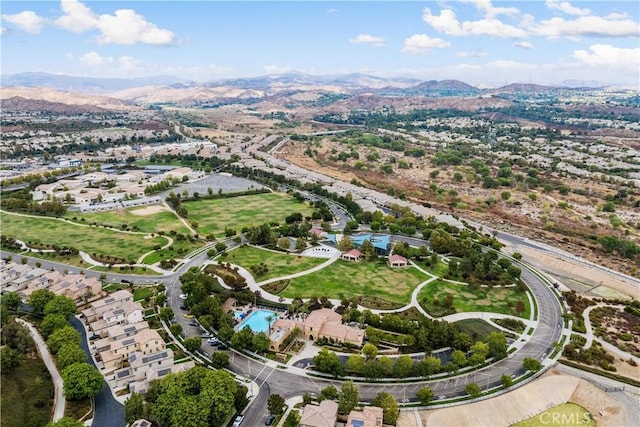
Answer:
(59, 401)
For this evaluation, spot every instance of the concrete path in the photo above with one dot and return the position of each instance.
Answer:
(291, 402)
(59, 401)
(87, 258)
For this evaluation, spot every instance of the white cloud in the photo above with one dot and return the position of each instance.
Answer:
(447, 23)
(77, 17)
(490, 11)
(606, 55)
(332, 10)
(127, 27)
(588, 26)
(471, 54)
(422, 44)
(524, 45)
(374, 41)
(70, 55)
(94, 60)
(566, 7)
(27, 20)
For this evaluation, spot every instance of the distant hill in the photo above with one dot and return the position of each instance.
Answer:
(444, 85)
(18, 103)
(85, 84)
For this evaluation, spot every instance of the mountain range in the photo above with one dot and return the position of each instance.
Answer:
(291, 88)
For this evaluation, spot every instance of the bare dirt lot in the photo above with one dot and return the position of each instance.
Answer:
(552, 389)
(148, 210)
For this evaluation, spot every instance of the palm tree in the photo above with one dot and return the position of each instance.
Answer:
(270, 318)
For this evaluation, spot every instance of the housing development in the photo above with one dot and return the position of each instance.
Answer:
(321, 249)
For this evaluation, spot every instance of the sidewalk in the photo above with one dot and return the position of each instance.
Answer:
(291, 402)
(59, 401)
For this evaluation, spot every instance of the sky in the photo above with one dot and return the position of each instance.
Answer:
(481, 42)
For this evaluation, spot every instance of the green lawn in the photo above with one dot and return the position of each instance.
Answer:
(160, 221)
(278, 264)
(371, 279)
(477, 328)
(27, 395)
(213, 215)
(88, 239)
(467, 298)
(141, 293)
(566, 415)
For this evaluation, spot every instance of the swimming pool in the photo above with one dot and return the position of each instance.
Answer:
(257, 321)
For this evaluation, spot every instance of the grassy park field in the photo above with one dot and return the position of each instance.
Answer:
(465, 298)
(478, 329)
(102, 241)
(149, 219)
(214, 215)
(278, 264)
(373, 280)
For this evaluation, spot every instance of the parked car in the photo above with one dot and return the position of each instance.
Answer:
(125, 281)
(238, 421)
(211, 339)
(222, 346)
(182, 296)
(206, 335)
(94, 337)
(193, 323)
(188, 316)
(270, 419)
(182, 307)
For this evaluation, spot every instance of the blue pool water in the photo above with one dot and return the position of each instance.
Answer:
(257, 321)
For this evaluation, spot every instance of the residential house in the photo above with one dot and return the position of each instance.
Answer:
(141, 386)
(370, 416)
(77, 287)
(122, 313)
(97, 308)
(147, 341)
(322, 415)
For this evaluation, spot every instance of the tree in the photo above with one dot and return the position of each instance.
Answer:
(403, 366)
(166, 314)
(192, 344)
(11, 300)
(66, 422)
(195, 398)
(68, 355)
(497, 345)
(345, 244)
(17, 337)
(284, 243)
(531, 364)
(275, 404)
(63, 336)
(368, 250)
(459, 358)
(134, 408)
(301, 244)
(506, 381)
(389, 406)
(260, 342)
(330, 392)
(38, 299)
(9, 359)
(221, 246)
(349, 397)
(81, 380)
(175, 329)
(52, 322)
(219, 359)
(425, 395)
(60, 304)
(473, 389)
(328, 361)
(370, 351)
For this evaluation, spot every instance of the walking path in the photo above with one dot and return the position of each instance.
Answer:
(87, 258)
(59, 401)
(606, 345)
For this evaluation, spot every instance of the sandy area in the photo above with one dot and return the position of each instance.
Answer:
(581, 278)
(552, 389)
(148, 210)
